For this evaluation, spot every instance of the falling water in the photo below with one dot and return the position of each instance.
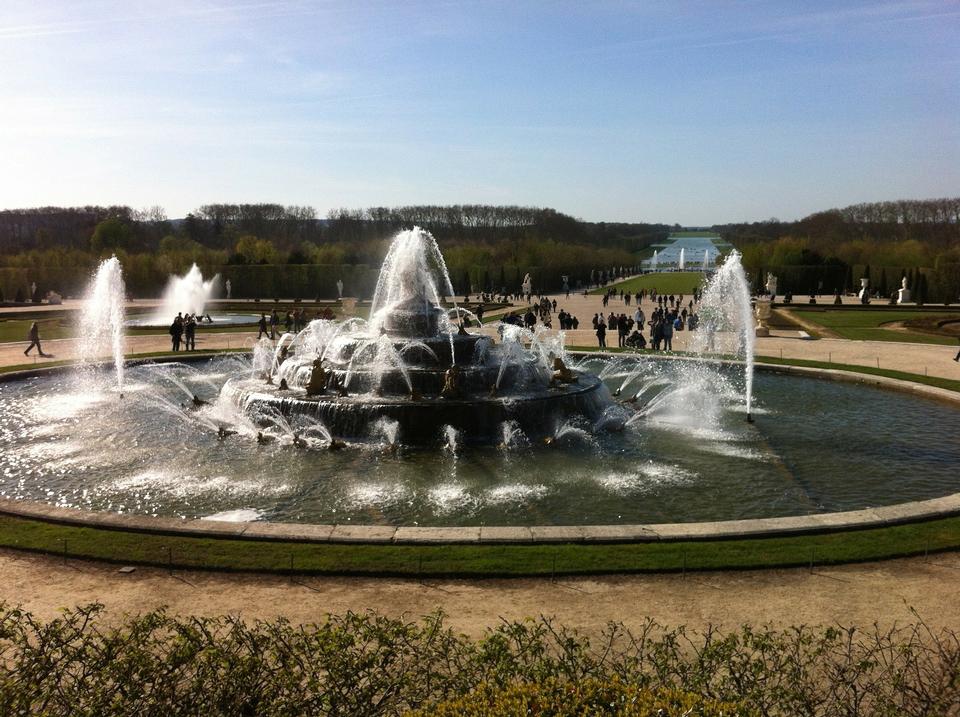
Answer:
(102, 317)
(185, 294)
(683, 261)
(726, 319)
(413, 268)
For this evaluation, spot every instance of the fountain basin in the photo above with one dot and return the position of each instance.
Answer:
(816, 447)
(150, 321)
(479, 419)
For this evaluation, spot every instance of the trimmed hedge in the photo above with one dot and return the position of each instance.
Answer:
(366, 664)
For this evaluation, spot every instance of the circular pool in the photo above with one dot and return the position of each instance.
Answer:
(686, 453)
(150, 321)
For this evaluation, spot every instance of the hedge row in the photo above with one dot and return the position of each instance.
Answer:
(365, 664)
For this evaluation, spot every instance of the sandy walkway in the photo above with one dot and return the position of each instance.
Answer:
(852, 594)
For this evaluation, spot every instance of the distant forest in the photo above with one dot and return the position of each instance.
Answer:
(271, 250)
(885, 241)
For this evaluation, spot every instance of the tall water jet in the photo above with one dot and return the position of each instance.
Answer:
(726, 319)
(413, 280)
(682, 264)
(185, 294)
(653, 261)
(102, 317)
(706, 259)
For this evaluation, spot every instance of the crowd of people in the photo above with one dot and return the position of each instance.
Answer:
(183, 330)
(293, 322)
(669, 316)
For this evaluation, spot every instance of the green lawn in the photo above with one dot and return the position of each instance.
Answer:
(865, 325)
(668, 282)
(17, 329)
(476, 560)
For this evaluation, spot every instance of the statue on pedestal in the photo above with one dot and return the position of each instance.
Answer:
(903, 293)
(771, 285)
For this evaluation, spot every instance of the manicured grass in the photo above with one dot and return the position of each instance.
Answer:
(865, 325)
(668, 282)
(12, 330)
(476, 560)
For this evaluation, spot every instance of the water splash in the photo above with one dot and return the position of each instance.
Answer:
(186, 294)
(414, 268)
(102, 317)
(682, 264)
(726, 319)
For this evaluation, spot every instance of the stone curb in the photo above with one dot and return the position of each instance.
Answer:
(867, 518)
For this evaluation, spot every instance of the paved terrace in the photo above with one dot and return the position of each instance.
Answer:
(930, 359)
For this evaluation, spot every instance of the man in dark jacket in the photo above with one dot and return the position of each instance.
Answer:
(34, 337)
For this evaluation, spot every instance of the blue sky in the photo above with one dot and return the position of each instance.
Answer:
(695, 113)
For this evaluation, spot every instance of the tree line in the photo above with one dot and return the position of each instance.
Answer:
(487, 248)
(883, 241)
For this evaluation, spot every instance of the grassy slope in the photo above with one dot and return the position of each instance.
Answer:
(866, 325)
(678, 282)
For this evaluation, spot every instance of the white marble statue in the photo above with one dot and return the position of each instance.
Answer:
(771, 284)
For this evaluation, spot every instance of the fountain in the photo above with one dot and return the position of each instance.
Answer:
(102, 317)
(653, 261)
(726, 320)
(682, 263)
(412, 365)
(187, 294)
(409, 419)
(706, 260)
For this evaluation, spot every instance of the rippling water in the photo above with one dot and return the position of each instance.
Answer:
(687, 455)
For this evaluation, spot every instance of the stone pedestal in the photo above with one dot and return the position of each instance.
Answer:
(763, 311)
(903, 296)
(349, 304)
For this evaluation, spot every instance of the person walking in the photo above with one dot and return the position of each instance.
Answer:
(262, 326)
(955, 358)
(34, 336)
(667, 325)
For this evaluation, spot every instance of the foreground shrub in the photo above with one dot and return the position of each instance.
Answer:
(554, 698)
(367, 664)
